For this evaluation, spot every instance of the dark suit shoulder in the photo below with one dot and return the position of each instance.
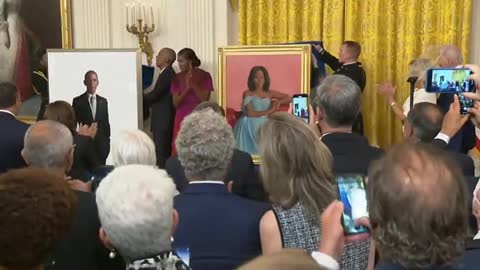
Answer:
(241, 155)
(101, 98)
(86, 199)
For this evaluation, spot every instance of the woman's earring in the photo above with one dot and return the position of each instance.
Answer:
(112, 254)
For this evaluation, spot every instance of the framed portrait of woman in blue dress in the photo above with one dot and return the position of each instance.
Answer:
(256, 81)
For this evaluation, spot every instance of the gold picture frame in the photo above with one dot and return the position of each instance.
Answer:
(66, 17)
(302, 50)
(67, 41)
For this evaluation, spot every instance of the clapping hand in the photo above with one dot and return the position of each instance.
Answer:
(387, 90)
(89, 131)
(80, 185)
(318, 48)
(333, 235)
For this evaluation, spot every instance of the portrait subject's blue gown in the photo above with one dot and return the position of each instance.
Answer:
(246, 127)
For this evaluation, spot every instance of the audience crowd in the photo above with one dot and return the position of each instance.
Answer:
(213, 208)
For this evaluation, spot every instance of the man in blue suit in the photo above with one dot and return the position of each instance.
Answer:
(220, 229)
(13, 130)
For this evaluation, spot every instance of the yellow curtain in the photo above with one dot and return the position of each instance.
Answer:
(282, 21)
(391, 32)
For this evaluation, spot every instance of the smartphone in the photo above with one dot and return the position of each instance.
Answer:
(352, 192)
(465, 104)
(301, 107)
(449, 80)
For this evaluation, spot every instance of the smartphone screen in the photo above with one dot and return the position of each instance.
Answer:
(449, 80)
(465, 104)
(300, 107)
(352, 193)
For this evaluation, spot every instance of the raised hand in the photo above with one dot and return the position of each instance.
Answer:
(387, 90)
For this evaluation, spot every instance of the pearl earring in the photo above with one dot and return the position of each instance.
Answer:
(112, 254)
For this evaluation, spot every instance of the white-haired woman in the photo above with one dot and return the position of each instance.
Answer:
(135, 205)
(133, 147)
(418, 68)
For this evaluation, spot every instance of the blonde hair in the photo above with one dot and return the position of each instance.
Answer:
(419, 67)
(283, 260)
(296, 165)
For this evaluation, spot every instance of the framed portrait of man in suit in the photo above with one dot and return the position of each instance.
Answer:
(27, 29)
(260, 78)
(104, 87)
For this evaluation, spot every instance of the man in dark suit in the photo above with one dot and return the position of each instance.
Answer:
(13, 130)
(338, 105)
(49, 145)
(423, 123)
(90, 108)
(347, 64)
(209, 214)
(242, 173)
(161, 103)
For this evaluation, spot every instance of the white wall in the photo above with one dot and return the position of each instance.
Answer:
(203, 25)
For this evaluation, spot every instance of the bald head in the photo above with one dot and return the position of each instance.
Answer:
(424, 122)
(48, 144)
(166, 57)
(450, 56)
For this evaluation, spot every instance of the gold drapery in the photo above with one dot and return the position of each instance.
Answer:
(391, 32)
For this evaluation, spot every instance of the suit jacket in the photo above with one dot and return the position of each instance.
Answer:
(220, 228)
(242, 172)
(352, 153)
(161, 101)
(81, 248)
(471, 184)
(465, 139)
(85, 158)
(463, 160)
(471, 259)
(81, 105)
(11, 142)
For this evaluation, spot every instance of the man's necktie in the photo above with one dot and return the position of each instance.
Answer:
(93, 106)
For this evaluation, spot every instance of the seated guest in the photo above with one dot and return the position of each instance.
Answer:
(85, 158)
(413, 227)
(135, 204)
(220, 229)
(37, 210)
(283, 260)
(133, 147)
(13, 130)
(297, 174)
(49, 145)
(242, 171)
(423, 123)
(338, 100)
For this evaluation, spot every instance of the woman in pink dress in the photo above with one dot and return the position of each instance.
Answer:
(191, 86)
